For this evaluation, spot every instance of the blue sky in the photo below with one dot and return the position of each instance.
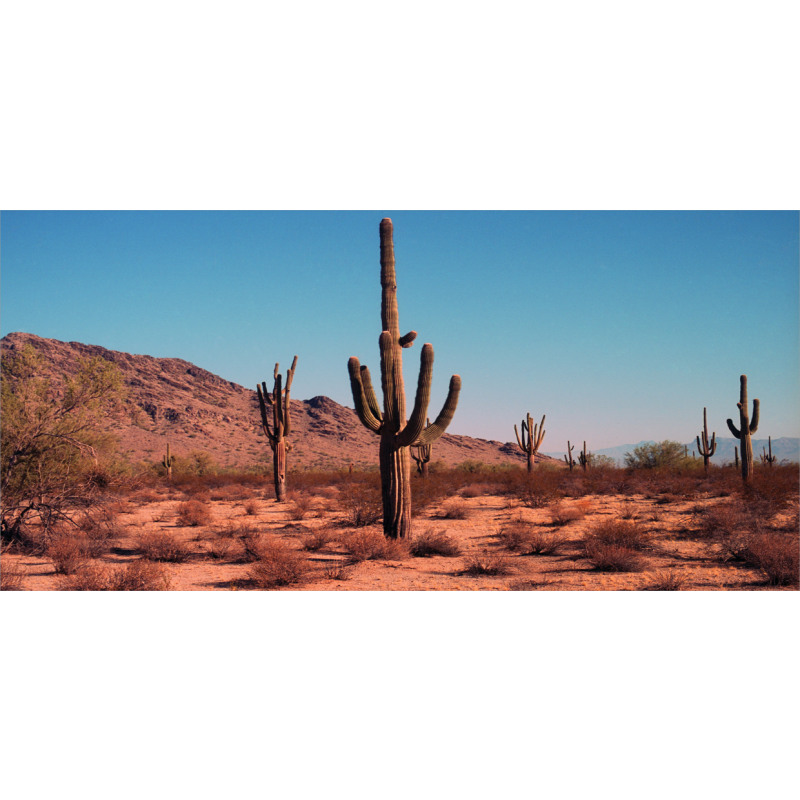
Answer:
(619, 326)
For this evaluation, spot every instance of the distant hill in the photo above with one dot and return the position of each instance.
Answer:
(194, 410)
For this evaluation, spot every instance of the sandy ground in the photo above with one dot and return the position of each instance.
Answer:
(673, 549)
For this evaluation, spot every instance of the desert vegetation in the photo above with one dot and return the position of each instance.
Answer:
(655, 528)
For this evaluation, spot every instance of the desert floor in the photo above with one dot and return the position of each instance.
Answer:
(213, 555)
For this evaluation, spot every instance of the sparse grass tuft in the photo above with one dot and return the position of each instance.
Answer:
(250, 507)
(615, 545)
(487, 563)
(139, 575)
(434, 543)
(339, 570)
(777, 556)
(667, 580)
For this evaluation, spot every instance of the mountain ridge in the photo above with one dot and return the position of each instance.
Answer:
(175, 401)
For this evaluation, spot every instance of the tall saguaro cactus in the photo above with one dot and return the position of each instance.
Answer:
(281, 426)
(746, 428)
(705, 448)
(167, 461)
(768, 459)
(532, 436)
(583, 458)
(397, 434)
(568, 459)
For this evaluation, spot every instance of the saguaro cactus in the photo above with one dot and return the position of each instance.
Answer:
(583, 458)
(281, 426)
(167, 461)
(736, 457)
(396, 434)
(705, 448)
(570, 461)
(532, 436)
(421, 453)
(746, 428)
(768, 459)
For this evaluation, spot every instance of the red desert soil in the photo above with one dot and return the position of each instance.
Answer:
(675, 555)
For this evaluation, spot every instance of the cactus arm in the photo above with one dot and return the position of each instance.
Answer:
(734, 430)
(263, 401)
(369, 393)
(540, 438)
(433, 432)
(416, 423)
(756, 412)
(278, 410)
(519, 441)
(408, 339)
(363, 410)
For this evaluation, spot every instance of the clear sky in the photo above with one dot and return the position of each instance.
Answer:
(619, 326)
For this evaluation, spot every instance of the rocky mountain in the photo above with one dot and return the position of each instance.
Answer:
(194, 410)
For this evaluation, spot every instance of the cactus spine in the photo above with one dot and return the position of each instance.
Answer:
(746, 428)
(532, 436)
(397, 435)
(421, 453)
(583, 458)
(279, 430)
(167, 461)
(568, 457)
(768, 459)
(705, 448)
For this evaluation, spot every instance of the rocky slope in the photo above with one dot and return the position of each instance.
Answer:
(194, 410)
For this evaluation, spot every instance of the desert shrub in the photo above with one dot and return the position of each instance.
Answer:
(477, 490)
(776, 555)
(486, 563)
(362, 505)
(11, 576)
(91, 577)
(252, 543)
(141, 576)
(137, 575)
(434, 543)
(668, 580)
(278, 565)
(54, 451)
(67, 553)
(540, 543)
(162, 546)
(615, 545)
(609, 557)
(371, 545)
(299, 505)
(538, 489)
(561, 513)
(250, 507)
(220, 548)
(654, 455)
(514, 535)
(318, 539)
(454, 509)
(193, 513)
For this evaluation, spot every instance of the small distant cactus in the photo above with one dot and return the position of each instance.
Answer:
(167, 461)
(746, 428)
(735, 457)
(278, 431)
(570, 461)
(704, 447)
(768, 459)
(532, 436)
(583, 458)
(421, 453)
